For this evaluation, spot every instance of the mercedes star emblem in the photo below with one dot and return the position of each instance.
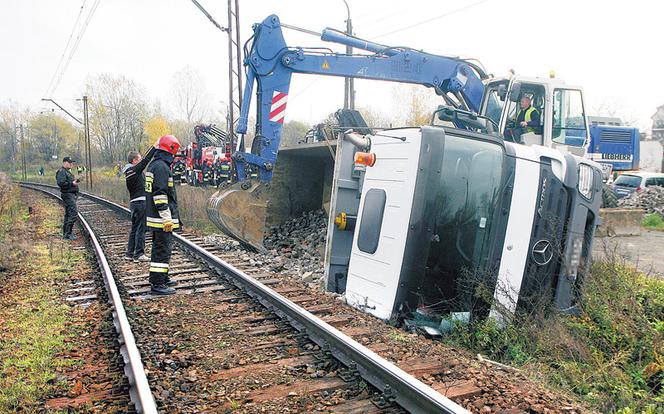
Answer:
(542, 252)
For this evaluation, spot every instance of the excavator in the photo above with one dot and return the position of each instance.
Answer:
(240, 210)
(413, 208)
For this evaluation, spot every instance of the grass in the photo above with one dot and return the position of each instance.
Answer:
(32, 333)
(399, 337)
(653, 221)
(611, 356)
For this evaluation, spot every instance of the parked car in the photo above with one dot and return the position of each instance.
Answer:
(628, 183)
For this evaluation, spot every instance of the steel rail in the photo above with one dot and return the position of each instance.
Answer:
(139, 390)
(396, 384)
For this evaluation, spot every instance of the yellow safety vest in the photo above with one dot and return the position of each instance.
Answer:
(527, 117)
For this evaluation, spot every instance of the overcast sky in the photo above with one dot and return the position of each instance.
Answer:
(611, 48)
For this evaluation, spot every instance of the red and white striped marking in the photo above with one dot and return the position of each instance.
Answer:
(278, 108)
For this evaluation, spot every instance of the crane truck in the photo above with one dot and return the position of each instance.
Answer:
(417, 213)
(210, 149)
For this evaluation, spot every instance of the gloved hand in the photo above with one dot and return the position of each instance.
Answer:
(168, 226)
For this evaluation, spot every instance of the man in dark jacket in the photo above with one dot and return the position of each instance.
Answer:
(69, 193)
(136, 186)
(162, 212)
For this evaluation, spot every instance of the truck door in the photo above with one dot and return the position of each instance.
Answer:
(569, 127)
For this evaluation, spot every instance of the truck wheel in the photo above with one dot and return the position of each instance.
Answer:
(609, 199)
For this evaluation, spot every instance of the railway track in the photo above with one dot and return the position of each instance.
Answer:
(237, 338)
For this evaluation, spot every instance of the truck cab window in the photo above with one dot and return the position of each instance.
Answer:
(536, 95)
(569, 121)
(493, 102)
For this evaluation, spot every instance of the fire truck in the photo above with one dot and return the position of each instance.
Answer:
(208, 152)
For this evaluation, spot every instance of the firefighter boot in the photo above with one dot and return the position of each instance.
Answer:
(162, 290)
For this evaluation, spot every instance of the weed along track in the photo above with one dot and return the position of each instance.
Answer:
(238, 338)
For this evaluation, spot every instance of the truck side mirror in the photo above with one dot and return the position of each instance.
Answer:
(445, 114)
(515, 92)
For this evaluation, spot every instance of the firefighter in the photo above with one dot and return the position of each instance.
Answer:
(224, 172)
(135, 181)
(162, 212)
(179, 170)
(217, 172)
(207, 173)
(69, 193)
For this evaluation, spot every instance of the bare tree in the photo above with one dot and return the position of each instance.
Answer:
(190, 96)
(11, 115)
(615, 109)
(118, 110)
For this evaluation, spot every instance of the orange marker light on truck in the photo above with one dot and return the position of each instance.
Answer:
(365, 158)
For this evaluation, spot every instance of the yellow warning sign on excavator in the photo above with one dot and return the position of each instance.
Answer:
(325, 65)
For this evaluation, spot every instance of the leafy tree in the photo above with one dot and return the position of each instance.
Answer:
(53, 137)
(414, 104)
(154, 128)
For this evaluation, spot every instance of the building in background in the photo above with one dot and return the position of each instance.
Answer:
(658, 124)
(604, 120)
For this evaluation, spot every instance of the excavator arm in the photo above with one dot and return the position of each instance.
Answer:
(270, 63)
(240, 210)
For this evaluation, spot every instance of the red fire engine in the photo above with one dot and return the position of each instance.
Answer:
(204, 156)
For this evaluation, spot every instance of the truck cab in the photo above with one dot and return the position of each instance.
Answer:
(563, 121)
(446, 221)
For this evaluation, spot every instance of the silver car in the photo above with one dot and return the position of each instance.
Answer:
(626, 184)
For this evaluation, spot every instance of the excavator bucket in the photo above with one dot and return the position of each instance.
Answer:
(239, 211)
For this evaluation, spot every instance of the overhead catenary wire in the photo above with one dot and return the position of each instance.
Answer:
(429, 20)
(74, 47)
(64, 52)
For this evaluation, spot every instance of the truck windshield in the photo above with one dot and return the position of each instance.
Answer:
(626, 180)
(468, 196)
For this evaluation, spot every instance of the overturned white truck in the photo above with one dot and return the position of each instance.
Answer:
(430, 220)
(442, 220)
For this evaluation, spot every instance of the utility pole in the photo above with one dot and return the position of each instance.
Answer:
(88, 154)
(349, 84)
(234, 70)
(24, 164)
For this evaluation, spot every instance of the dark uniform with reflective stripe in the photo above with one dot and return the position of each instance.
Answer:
(136, 187)
(69, 193)
(179, 170)
(162, 205)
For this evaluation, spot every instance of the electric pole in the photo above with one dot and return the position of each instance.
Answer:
(349, 84)
(24, 164)
(88, 154)
(234, 71)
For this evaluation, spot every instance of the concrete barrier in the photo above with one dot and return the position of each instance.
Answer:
(620, 222)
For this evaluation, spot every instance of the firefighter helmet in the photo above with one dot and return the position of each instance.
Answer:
(169, 143)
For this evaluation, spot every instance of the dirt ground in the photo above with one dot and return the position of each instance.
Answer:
(644, 251)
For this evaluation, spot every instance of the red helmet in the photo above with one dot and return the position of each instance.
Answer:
(169, 143)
